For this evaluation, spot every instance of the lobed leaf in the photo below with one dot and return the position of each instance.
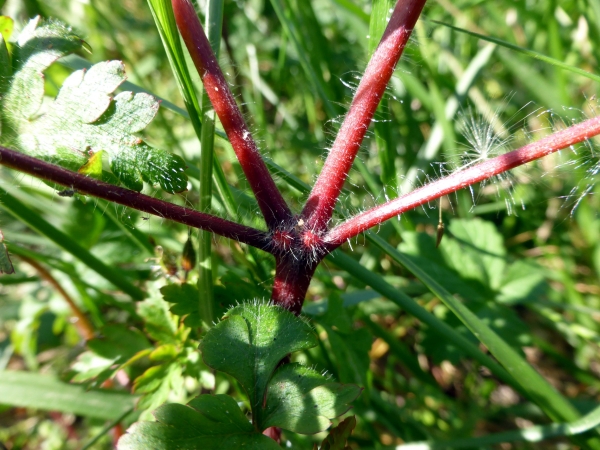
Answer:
(251, 340)
(85, 117)
(301, 400)
(207, 422)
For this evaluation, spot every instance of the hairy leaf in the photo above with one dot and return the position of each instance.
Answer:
(250, 342)
(86, 117)
(302, 400)
(207, 422)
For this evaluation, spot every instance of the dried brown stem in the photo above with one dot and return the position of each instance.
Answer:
(84, 326)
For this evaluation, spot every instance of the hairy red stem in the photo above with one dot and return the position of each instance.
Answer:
(482, 171)
(321, 202)
(292, 278)
(270, 200)
(132, 199)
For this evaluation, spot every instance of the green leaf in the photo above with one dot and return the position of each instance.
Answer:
(6, 27)
(118, 343)
(207, 422)
(351, 352)
(530, 53)
(38, 46)
(185, 299)
(85, 115)
(338, 436)
(159, 324)
(301, 400)
(251, 340)
(93, 167)
(477, 252)
(5, 262)
(33, 390)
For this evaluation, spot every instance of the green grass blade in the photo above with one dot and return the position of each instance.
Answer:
(525, 51)
(383, 135)
(162, 12)
(536, 433)
(410, 306)
(292, 28)
(33, 390)
(354, 9)
(37, 223)
(537, 388)
(136, 236)
(212, 27)
(109, 426)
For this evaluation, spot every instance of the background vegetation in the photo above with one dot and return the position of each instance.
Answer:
(516, 251)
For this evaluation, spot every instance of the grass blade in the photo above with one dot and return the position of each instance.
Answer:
(410, 306)
(212, 27)
(537, 388)
(33, 390)
(37, 223)
(525, 51)
(536, 433)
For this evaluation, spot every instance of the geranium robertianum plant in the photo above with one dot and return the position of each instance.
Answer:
(250, 343)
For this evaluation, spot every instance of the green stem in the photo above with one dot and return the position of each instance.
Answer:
(213, 25)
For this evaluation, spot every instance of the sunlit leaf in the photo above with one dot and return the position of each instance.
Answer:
(85, 116)
(207, 422)
(302, 400)
(251, 340)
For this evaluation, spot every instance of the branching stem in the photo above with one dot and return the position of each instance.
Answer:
(270, 200)
(324, 195)
(132, 199)
(482, 171)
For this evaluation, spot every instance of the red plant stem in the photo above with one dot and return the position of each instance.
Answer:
(132, 199)
(324, 195)
(270, 200)
(482, 171)
(292, 278)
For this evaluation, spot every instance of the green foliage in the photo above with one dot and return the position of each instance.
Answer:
(251, 341)
(31, 390)
(207, 422)
(527, 273)
(84, 118)
(301, 400)
(248, 344)
(338, 436)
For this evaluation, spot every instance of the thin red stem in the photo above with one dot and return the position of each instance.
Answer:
(550, 144)
(132, 199)
(270, 201)
(324, 195)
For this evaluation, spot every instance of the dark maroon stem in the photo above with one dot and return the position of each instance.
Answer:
(270, 201)
(292, 278)
(132, 199)
(550, 144)
(324, 195)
